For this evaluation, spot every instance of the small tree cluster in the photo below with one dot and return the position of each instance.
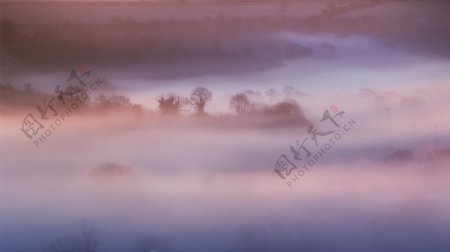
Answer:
(240, 103)
(171, 104)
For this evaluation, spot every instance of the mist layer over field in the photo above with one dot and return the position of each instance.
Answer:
(209, 189)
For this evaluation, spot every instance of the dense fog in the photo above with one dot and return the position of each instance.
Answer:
(167, 123)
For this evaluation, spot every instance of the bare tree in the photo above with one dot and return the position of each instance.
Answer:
(240, 103)
(89, 242)
(200, 96)
(86, 243)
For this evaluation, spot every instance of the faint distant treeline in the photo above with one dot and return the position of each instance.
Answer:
(408, 156)
(123, 40)
(13, 99)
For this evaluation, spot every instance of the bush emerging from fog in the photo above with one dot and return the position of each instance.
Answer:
(439, 155)
(401, 156)
(287, 108)
(150, 242)
(110, 169)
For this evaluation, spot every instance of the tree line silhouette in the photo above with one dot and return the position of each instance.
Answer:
(170, 104)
